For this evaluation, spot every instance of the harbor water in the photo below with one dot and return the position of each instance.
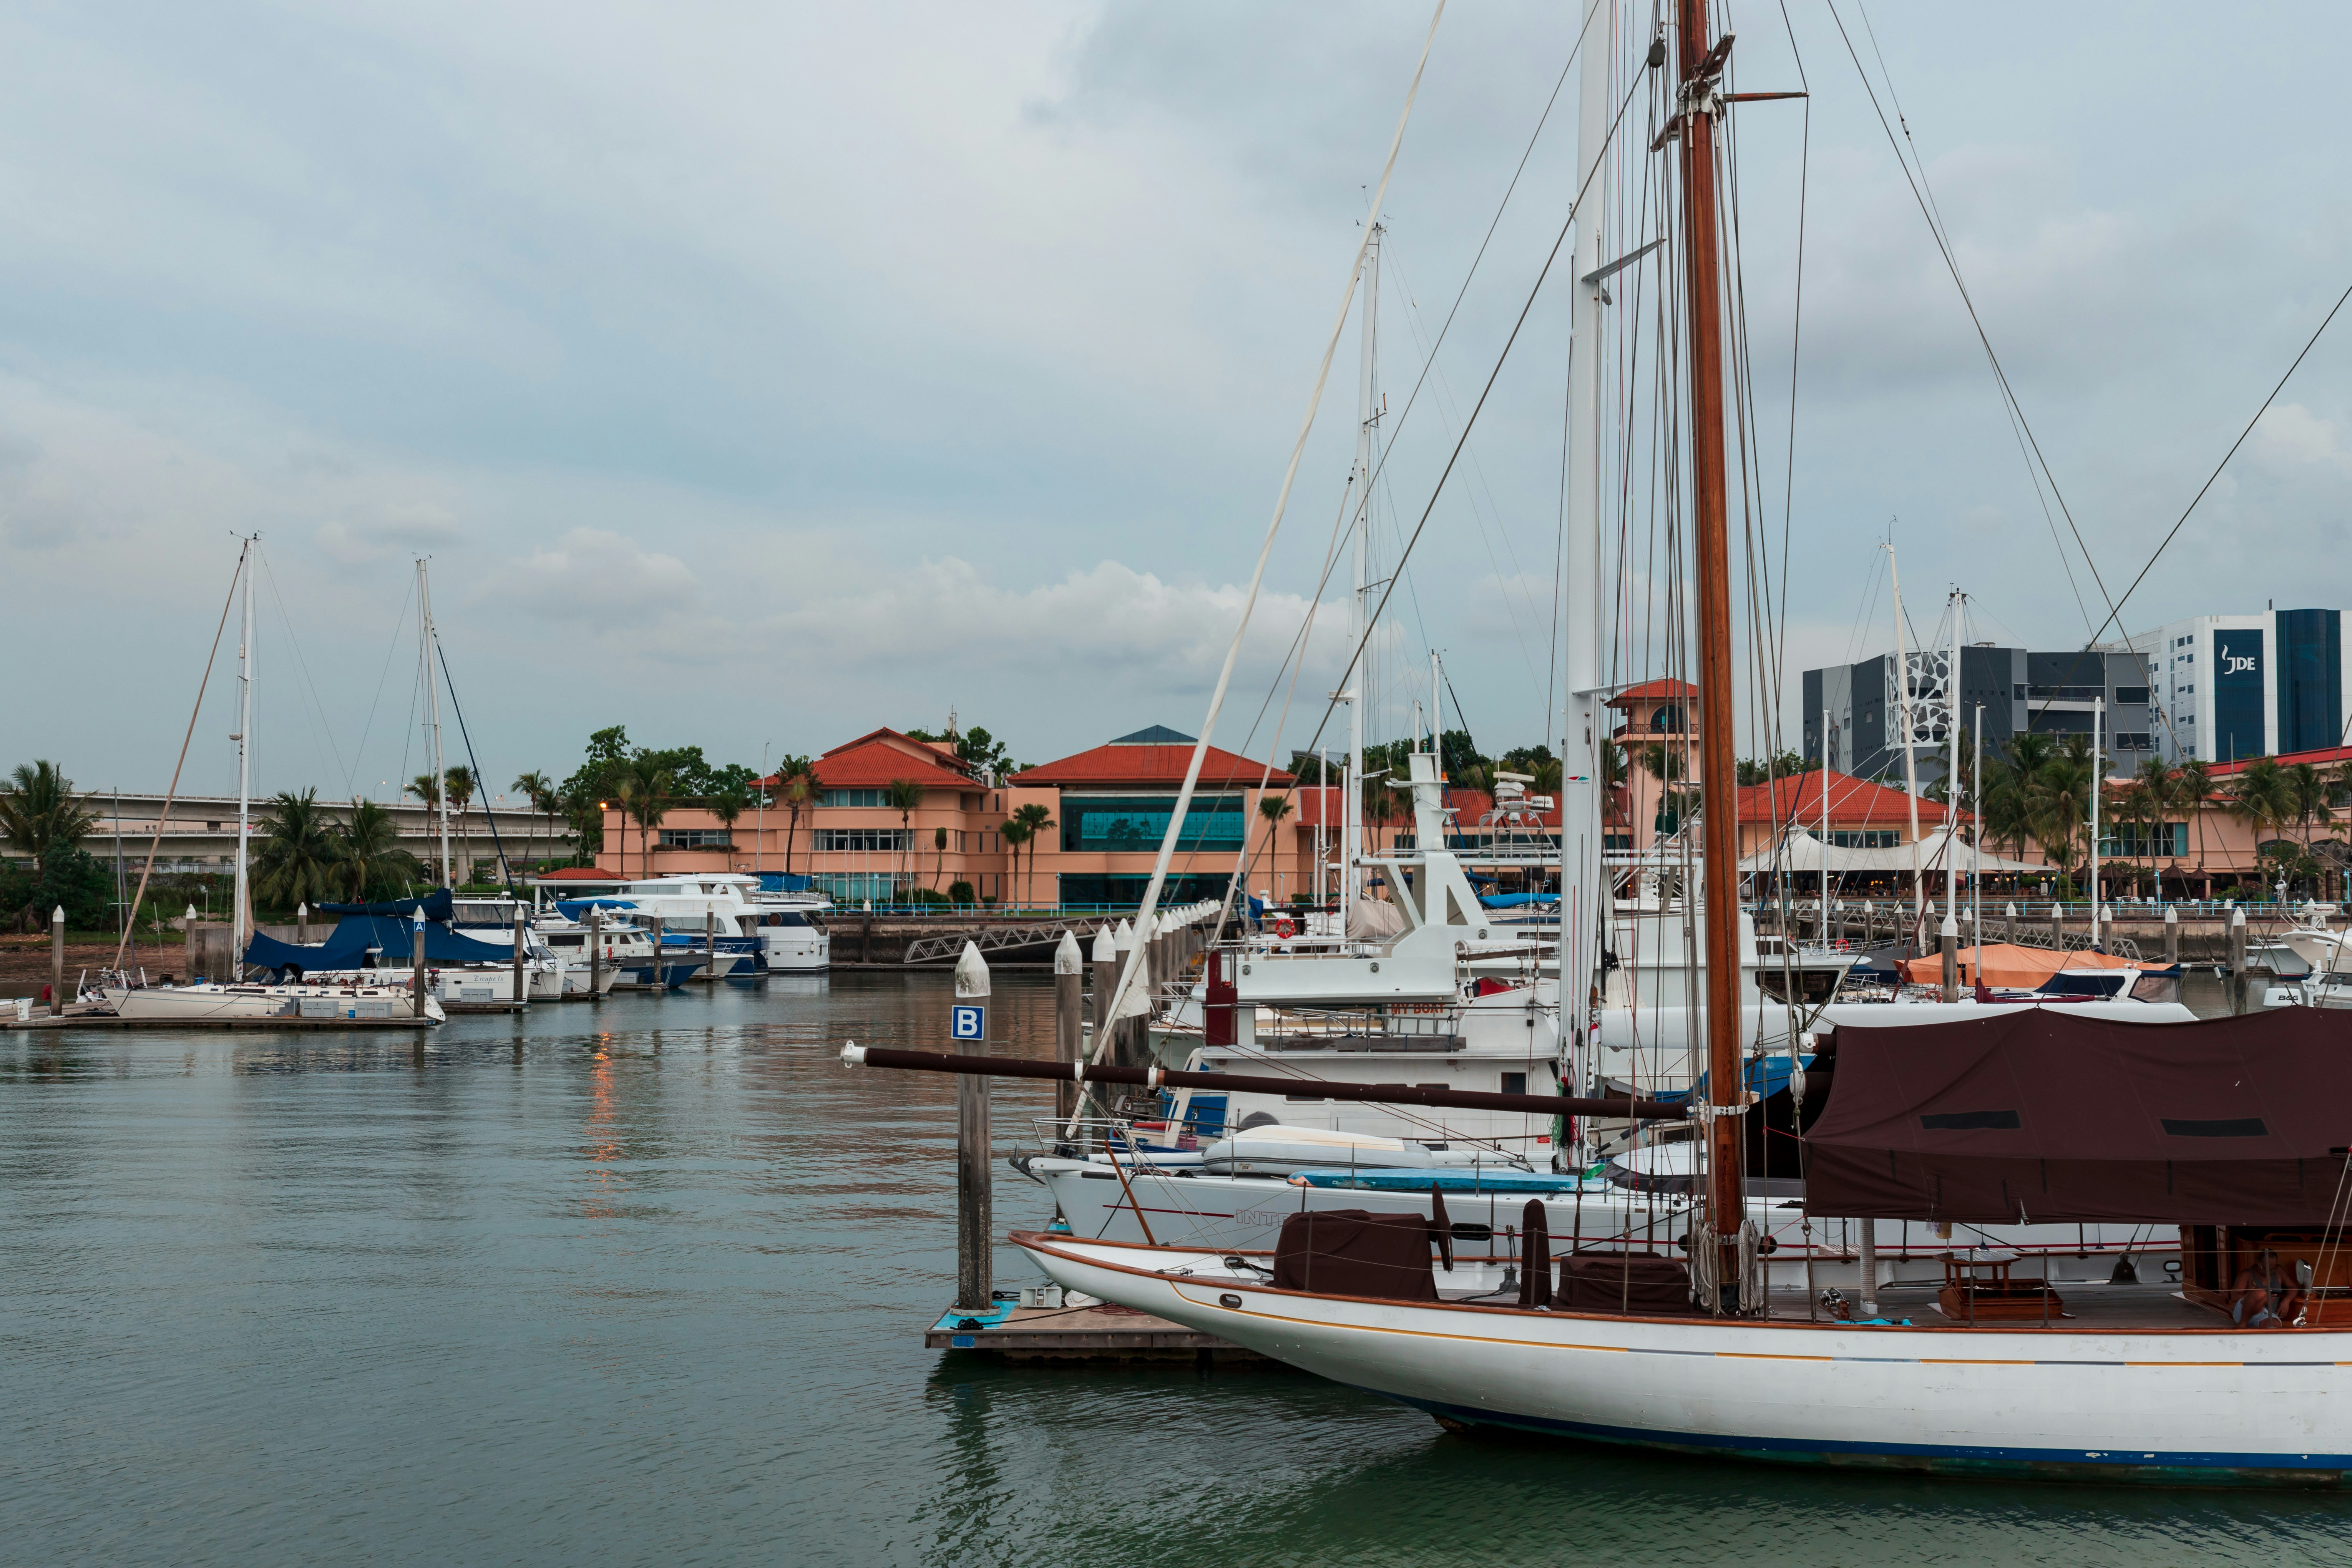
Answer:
(647, 1281)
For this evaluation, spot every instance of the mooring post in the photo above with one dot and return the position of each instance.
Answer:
(57, 961)
(1069, 1020)
(1123, 1032)
(709, 946)
(975, 1227)
(1951, 935)
(2172, 935)
(1869, 1267)
(2009, 920)
(416, 965)
(1105, 958)
(2237, 960)
(302, 924)
(520, 995)
(188, 970)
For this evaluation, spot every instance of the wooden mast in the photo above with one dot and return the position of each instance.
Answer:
(1699, 68)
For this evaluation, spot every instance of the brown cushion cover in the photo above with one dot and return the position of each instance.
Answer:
(1352, 1252)
(1642, 1283)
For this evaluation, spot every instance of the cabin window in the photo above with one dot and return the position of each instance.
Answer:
(1515, 1083)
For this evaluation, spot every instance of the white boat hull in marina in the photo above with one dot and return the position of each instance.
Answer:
(2214, 1405)
(213, 1002)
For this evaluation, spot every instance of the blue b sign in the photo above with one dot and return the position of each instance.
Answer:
(967, 1023)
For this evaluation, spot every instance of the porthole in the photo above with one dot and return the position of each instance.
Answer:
(1229, 1299)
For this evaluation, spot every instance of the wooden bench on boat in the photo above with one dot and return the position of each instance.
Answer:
(1979, 1288)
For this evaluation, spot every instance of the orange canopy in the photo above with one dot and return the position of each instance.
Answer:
(2014, 967)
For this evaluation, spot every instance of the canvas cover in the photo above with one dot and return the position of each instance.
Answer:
(346, 947)
(1353, 1252)
(2047, 1115)
(2014, 967)
(1645, 1285)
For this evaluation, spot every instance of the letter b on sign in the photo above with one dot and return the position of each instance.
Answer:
(967, 1023)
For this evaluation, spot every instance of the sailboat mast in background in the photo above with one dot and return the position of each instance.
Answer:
(433, 711)
(241, 914)
(1351, 826)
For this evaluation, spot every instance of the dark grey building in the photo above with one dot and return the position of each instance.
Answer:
(2020, 692)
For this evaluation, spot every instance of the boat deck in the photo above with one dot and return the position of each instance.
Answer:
(2086, 1306)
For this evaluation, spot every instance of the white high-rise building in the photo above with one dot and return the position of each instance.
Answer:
(2229, 687)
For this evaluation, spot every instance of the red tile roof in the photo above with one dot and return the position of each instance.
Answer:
(1652, 690)
(1852, 800)
(577, 874)
(1156, 767)
(2325, 756)
(873, 764)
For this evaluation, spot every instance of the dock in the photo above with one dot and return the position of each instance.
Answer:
(1096, 1333)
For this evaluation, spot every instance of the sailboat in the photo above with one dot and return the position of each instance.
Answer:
(356, 999)
(2238, 1372)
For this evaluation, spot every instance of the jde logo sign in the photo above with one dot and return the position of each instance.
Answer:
(2238, 663)
(2237, 659)
(967, 1023)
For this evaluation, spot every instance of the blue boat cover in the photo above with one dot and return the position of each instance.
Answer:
(438, 905)
(1767, 1076)
(1516, 900)
(346, 946)
(785, 882)
(576, 909)
(1450, 1179)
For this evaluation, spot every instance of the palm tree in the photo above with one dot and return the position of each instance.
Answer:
(795, 788)
(541, 790)
(2261, 797)
(2058, 802)
(297, 861)
(460, 782)
(2305, 788)
(367, 849)
(939, 866)
(427, 788)
(1035, 821)
(2195, 786)
(646, 788)
(726, 806)
(40, 815)
(904, 796)
(1014, 834)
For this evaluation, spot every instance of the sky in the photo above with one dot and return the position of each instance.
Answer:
(755, 375)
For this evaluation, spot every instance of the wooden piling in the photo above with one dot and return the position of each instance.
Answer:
(520, 995)
(416, 970)
(1104, 959)
(975, 1221)
(596, 956)
(2237, 960)
(709, 946)
(57, 963)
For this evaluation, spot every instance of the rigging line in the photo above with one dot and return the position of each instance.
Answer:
(303, 665)
(481, 785)
(1133, 968)
(1951, 264)
(173, 793)
(1797, 322)
(1496, 222)
(398, 621)
(1492, 376)
(2114, 618)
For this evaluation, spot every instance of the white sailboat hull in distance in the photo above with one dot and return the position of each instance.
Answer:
(212, 1000)
(2211, 1405)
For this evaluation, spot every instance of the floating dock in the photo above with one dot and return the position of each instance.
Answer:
(1100, 1332)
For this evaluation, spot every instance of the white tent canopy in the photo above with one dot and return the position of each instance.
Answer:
(1801, 852)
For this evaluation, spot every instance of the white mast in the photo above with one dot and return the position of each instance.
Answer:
(1976, 841)
(2098, 788)
(1351, 824)
(1910, 764)
(1825, 823)
(1583, 888)
(1952, 765)
(432, 707)
(240, 931)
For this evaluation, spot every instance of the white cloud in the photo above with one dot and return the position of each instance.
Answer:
(599, 574)
(2288, 433)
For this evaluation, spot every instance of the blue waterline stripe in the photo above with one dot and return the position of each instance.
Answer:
(1954, 1454)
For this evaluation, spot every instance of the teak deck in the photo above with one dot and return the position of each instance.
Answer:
(1104, 1333)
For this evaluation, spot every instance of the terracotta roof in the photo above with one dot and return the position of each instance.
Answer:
(873, 764)
(577, 874)
(935, 752)
(1852, 800)
(1650, 690)
(1126, 763)
(2325, 756)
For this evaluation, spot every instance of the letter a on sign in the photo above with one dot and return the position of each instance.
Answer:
(967, 1023)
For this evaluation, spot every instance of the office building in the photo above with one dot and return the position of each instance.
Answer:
(2229, 687)
(2019, 691)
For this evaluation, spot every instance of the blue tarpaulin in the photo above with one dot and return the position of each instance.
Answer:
(1516, 900)
(785, 882)
(346, 946)
(437, 904)
(1767, 1076)
(576, 909)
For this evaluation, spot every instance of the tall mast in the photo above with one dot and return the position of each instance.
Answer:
(2098, 788)
(1698, 70)
(432, 709)
(1583, 892)
(1910, 763)
(239, 929)
(1351, 826)
(1952, 765)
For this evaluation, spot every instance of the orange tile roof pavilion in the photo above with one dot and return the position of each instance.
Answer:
(1153, 758)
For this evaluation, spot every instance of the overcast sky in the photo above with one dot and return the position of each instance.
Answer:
(757, 374)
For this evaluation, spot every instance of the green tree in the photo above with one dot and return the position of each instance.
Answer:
(2261, 797)
(644, 791)
(2194, 791)
(1014, 836)
(460, 784)
(904, 796)
(795, 790)
(939, 863)
(541, 793)
(2305, 789)
(368, 851)
(729, 803)
(40, 815)
(298, 860)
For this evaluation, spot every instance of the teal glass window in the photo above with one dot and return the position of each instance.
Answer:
(1136, 824)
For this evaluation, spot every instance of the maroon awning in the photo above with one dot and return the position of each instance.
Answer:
(2044, 1114)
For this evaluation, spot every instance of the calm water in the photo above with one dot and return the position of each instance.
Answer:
(647, 1283)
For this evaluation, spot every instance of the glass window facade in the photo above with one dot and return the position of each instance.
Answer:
(1127, 893)
(850, 797)
(2310, 678)
(853, 840)
(855, 887)
(696, 837)
(1136, 824)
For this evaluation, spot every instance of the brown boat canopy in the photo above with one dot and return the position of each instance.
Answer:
(2047, 1115)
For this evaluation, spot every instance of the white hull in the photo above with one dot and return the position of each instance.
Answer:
(2192, 1403)
(796, 950)
(195, 1003)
